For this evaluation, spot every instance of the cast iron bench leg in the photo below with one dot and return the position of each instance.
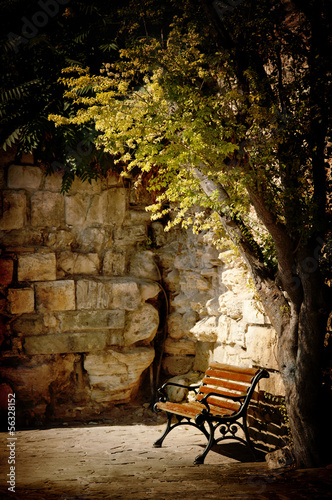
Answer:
(200, 458)
(159, 442)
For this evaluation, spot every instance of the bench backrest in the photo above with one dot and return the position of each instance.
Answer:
(226, 380)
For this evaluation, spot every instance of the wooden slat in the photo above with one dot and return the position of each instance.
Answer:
(220, 402)
(190, 409)
(241, 377)
(205, 389)
(226, 384)
(234, 369)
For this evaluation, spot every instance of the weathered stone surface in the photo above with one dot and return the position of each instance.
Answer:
(21, 300)
(194, 281)
(92, 239)
(237, 333)
(252, 312)
(177, 394)
(47, 209)
(180, 346)
(127, 236)
(79, 186)
(143, 265)
(204, 355)
(231, 305)
(94, 294)
(76, 263)
(177, 365)
(86, 209)
(114, 375)
(273, 384)
(34, 378)
(206, 330)
(6, 271)
(212, 307)
(279, 459)
(60, 240)
(37, 267)
(149, 290)
(24, 177)
(235, 279)
(56, 295)
(53, 182)
(126, 295)
(59, 343)
(25, 237)
(114, 263)
(13, 211)
(29, 324)
(91, 320)
(174, 326)
(117, 205)
(261, 346)
(141, 325)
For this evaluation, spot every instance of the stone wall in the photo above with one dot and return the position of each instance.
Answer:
(92, 293)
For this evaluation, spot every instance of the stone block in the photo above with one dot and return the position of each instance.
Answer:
(92, 239)
(13, 211)
(53, 182)
(230, 304)
(141, 325)
(97, 212)
(37, 267)
(143, 265)
(235, 279)
(60, 240)
(177, 394)
(29, 324)
(25, 237)
(56, 295)
(86, 187)
(24, 177)
(237, 333)
(21, 300)
(115, 375)
(94, 294)
(206, 330)
(76, 208)
(77, 263)
(114, 263)
(116, 205)
(204, 354)
(149, 289)
(191, 281)
(252, 312)
(126, 295)
(47, 209)
(180, 347)
(212, 307)
(261, 345)
(91, 320)
(174, 326)
(61, 343)
(177, 365)
(130, 235)
(6, 271)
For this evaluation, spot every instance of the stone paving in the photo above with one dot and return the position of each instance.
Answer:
(118, 462)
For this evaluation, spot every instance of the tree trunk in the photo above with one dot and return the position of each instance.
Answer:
(300, 359)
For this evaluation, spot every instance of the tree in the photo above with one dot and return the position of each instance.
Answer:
(229, 109)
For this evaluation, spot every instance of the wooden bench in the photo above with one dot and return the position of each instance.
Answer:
(221, 400)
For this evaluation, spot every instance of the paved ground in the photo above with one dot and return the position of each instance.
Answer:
(118, 462)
